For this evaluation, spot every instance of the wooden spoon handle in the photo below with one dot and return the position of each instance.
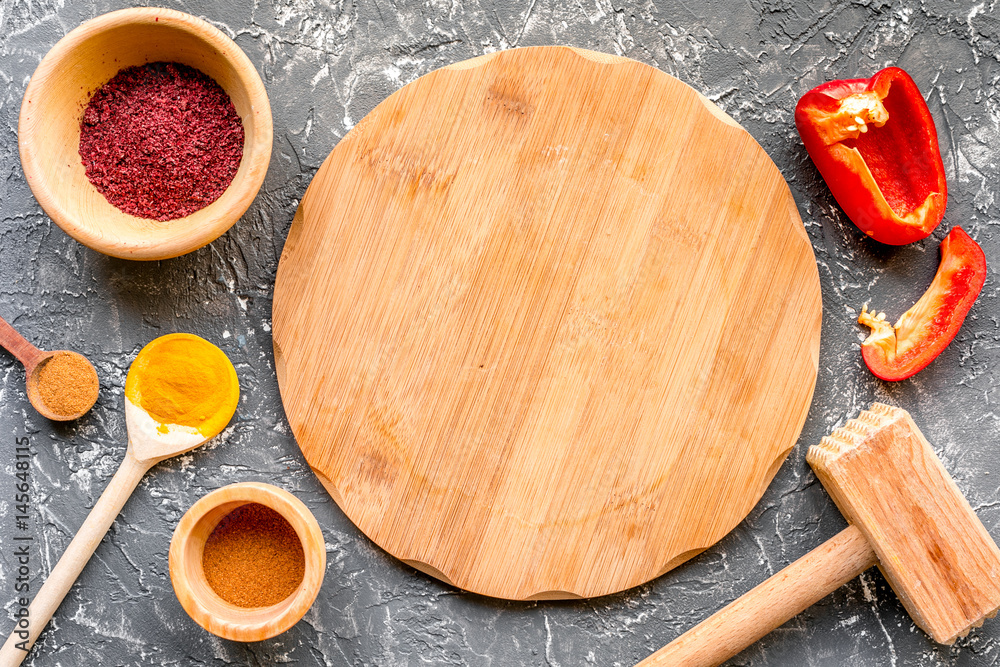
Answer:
(66, 571)
(769, 605)
(17, 345)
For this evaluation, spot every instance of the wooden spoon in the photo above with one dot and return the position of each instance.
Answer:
(34, 360)
(149, 442)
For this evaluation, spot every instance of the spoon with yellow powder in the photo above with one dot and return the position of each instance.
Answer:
(180, 392)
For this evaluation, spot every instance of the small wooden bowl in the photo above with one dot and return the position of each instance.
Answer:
(53, 106)
(198, 598)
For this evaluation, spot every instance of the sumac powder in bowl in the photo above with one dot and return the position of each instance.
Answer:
(116, 79)
(161, 140)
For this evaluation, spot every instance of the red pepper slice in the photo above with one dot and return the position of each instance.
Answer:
(875, 144)
(899, 351)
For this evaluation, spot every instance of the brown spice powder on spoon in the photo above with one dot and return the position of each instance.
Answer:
(254, 558)
(67, 384)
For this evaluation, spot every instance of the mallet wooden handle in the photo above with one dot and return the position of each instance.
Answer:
(769, 605)
(72, 562)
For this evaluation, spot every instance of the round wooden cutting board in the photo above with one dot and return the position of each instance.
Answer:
(546, 323)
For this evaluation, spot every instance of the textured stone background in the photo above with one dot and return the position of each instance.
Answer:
(325, 65)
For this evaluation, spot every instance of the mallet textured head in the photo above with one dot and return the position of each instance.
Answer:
(931, 546)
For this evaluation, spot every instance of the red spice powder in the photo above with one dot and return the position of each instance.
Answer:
(161, 141)
(254, 557)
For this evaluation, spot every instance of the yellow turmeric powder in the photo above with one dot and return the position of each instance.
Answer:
(185, 380)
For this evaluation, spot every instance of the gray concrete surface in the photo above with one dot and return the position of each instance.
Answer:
(326, 63)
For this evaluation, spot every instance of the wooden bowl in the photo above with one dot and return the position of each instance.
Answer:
(203, 604)
(53, 106)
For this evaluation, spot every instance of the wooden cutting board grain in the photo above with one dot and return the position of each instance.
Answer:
(546, 323)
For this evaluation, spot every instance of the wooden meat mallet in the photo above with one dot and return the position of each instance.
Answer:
(907, 516)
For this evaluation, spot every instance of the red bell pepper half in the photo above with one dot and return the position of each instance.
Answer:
(899, 351)
(874, 142)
